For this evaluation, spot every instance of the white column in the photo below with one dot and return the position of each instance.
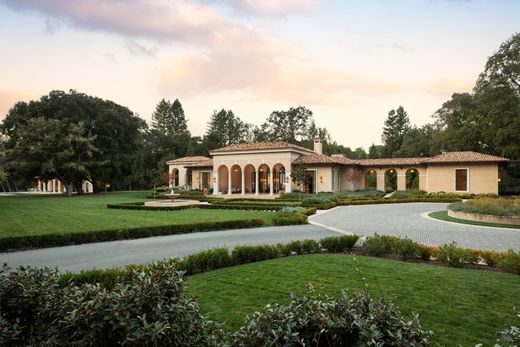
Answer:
(271, 175)
(243, 181)
(229, 182)
(215, 185)
(288, 184)
(54, 186)
(256, 182)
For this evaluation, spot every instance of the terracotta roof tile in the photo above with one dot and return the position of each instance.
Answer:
(320, 159)
(255, 146)
(201, 164)
(392, 161)
(465, 156)
(187, 159)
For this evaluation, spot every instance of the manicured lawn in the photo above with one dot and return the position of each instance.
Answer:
(461, 306)
(443, 215)
(31, 215)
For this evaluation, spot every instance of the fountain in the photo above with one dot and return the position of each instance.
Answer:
(172, 201)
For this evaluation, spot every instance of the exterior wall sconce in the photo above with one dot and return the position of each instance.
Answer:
(322, 180)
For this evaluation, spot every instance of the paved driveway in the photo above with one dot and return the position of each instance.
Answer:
(119, 253)
(410, 220)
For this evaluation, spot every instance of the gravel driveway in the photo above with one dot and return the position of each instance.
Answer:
(409, 219)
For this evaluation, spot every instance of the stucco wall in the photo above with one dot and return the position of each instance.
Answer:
(401, 176)
(483, 178)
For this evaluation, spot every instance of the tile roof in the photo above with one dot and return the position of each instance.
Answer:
(392, 161)
(320, 159)
(187, 160)
(464, 156)
(255, 146)
(201, 164)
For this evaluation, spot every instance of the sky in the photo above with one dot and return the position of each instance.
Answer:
(350, 62)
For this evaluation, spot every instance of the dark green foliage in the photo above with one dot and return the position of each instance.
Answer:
(340, 243)
(510, 262)
(47, 240)
(451, 254)
(210, 259)
(149, 309)
(396, 126)
(407, 249)
(294, 219)
(409, 193)
(426, 252)
(310, 246)
(375, 245)
(224, 129)
(249, 254)
(323, 321)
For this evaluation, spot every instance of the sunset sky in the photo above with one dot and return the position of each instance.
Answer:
(350, 62)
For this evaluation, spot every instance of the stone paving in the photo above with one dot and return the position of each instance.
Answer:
(409, 219)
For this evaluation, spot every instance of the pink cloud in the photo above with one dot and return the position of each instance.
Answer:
(10, 97)
(448, 85)
(272, 7)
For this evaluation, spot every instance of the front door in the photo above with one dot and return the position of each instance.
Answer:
(310, 182)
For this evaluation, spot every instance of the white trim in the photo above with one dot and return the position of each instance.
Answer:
(315, 180)
(249, 151)
(455, 180)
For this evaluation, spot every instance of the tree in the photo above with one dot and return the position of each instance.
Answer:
(292, 126)
(503, 67)
(375, 151)
(396, 126)
(354, 175)
(421, 142)
(299, 176)
(169, 129)
(224, 129)
(72, 137)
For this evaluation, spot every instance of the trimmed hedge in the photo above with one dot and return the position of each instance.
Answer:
(142, 207)
(394, 201)
(60, 239)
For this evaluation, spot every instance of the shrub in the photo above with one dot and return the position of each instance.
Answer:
(409, 193)
(491, 258)
(375, 245)
(290, 210)
(426, 252)
(310, 246)
(471, 256)
(293, 219)
(250, 254)
(210, 259)
(323, 321)
(510, 262)
(340, 243)
(451, 254)
(407, 249)
(151, 309)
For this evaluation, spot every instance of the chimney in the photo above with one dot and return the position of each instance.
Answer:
(318, 146)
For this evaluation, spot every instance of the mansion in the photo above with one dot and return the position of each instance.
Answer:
(264, 168)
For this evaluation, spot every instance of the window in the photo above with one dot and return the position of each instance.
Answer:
(461, 180)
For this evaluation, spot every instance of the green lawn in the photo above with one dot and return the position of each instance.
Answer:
(443, 215)
(461, 306)
(32, 215)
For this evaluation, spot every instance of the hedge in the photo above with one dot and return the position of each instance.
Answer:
(63, 239)
(141, 206)
(393, 201)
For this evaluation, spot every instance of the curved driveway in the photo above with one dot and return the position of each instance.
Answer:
(409, 219)
(391, 219)
(119, 253)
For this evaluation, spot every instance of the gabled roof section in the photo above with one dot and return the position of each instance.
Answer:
(261, 146)
(321, 159)
(187, 160)
(393, 161)
(465, 157)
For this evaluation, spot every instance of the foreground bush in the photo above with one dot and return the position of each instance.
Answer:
(323, 321)
(151, 309)
(339, 244)
(510, 262)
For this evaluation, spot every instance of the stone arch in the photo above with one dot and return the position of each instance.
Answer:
(390, 180)
(412, 178)
(264, 178)
(371, 179)
(278, 178)
(223, 173)
(175, 177)
(236, 179)
(250, 178)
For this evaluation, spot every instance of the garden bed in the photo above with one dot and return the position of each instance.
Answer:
(486, 218)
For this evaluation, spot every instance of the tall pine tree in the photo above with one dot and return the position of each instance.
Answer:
(396, 126)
